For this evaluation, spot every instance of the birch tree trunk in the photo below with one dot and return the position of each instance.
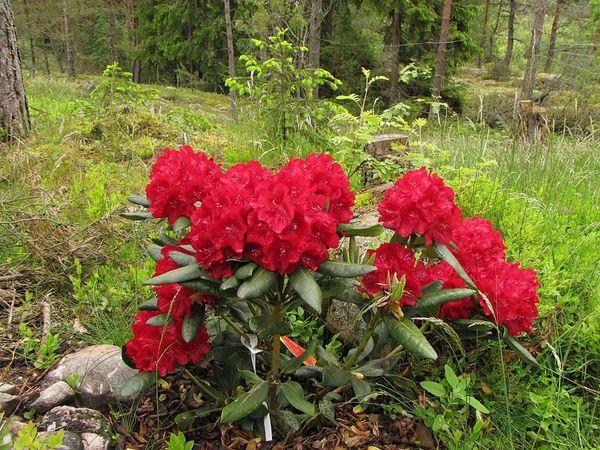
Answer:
(14, 114)
(534, 51)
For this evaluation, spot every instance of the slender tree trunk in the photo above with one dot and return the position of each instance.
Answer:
(66, 40)
(31, 43)
(441, 56)
(14, 113)
(314, 37)
(489, 51)
(230, 56)
(132, 25)
(395, 61)
(482, 42)
(553, 32)
(534, 51)
(329, 17)
(112, 31)
(510, 36)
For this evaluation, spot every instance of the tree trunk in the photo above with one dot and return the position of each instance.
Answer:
(486, 9)
(553, 32)
(66, 40)
(132, 25)
(314, 37)
(14, 114)
(510, 36)
(533, 57)
(395, 61)
(112, 31)
(489, 51)
(441, 56)
(31, 43)
(230, 57)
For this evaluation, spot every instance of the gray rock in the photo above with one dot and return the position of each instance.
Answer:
(71, 441)
(93, 441)
(7, 388)
(76, 420)
(57, 394)
(8, 403)
(100, 369)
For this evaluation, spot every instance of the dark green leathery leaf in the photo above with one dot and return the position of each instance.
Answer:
(134, 386)
(150, 305)
(136, 215)
(243, 405)
(245, 271)
(258, 284)
(182, 259)
(303, 282)
(354, 229)
(141, 200)
(407, 334)
(181, 224)
(344, 270)
(155, 252)
(159, 321)
(185, 273)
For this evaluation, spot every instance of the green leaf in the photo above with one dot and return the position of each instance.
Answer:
(182, 259)
(437, 298)
(245, 403)
(434, 388)
(229, 283)
(258, 284)
(190, 326)
(141, 200)
(474, 324)
(294, 394)
(351, 229)
(327, 409)
(203, 287)
(522, 351)
(327, 357)
(134, 386)
(445, 254)
(245, 271)
(361, 389)
(451, 377)
(293, 364)
(159, 321)
(405, 332)
(250, 376)
(431, 287)
(155, 252)
(307, 372)
(185, 273)
(136, 215)
(303, 282)
(344, 270)
(335, 377)
(477, 405)
(185, 420)
(374, 368)
(294, 421)
(181, 224)
(150, 305)
(265, 326)
(126, 359)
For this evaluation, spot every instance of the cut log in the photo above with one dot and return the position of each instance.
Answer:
(380, 145)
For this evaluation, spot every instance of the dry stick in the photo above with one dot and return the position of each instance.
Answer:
(46, 322)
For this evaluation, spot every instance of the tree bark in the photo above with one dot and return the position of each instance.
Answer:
(31, 43)
(395, 61)
(230, 56)
(112, 31)
(314, 37)
(533, 57)
(482, 42)
(553, 32)
(66, 40)
(14, 113)
(441, 56)
(132, 25)
(489, 51)
(510, 36)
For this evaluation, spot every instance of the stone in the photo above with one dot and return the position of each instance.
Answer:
(93, 441)
(7, 388)
(100, 369)
(57, 394)
(424, 437)
(76, 420)
(8, 403)
(70, 441)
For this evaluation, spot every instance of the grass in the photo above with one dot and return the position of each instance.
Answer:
(59, 231)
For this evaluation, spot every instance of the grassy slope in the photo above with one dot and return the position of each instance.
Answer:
(60, 190)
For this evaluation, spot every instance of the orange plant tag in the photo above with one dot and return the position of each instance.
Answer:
(297, 350)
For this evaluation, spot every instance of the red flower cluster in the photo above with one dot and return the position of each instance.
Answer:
(279, 220)
(396, 259)
(420, 203)
(162, 348)
(178, 181)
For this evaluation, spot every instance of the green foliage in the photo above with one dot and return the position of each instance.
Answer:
(28, 439)
(43, 352)
(449, 409)
(179, 442)
(117, 89)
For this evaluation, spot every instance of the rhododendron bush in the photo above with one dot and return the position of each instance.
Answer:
(244, 245)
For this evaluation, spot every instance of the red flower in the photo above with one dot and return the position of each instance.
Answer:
(460, 309)
(478, 242)
(396, 259)
(420, 203)
(512, 292)
(180, 179)
(162, 348)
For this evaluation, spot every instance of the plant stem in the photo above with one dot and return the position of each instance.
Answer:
(204, 387)
(363, 343)
(233, 325)
(276, 344)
